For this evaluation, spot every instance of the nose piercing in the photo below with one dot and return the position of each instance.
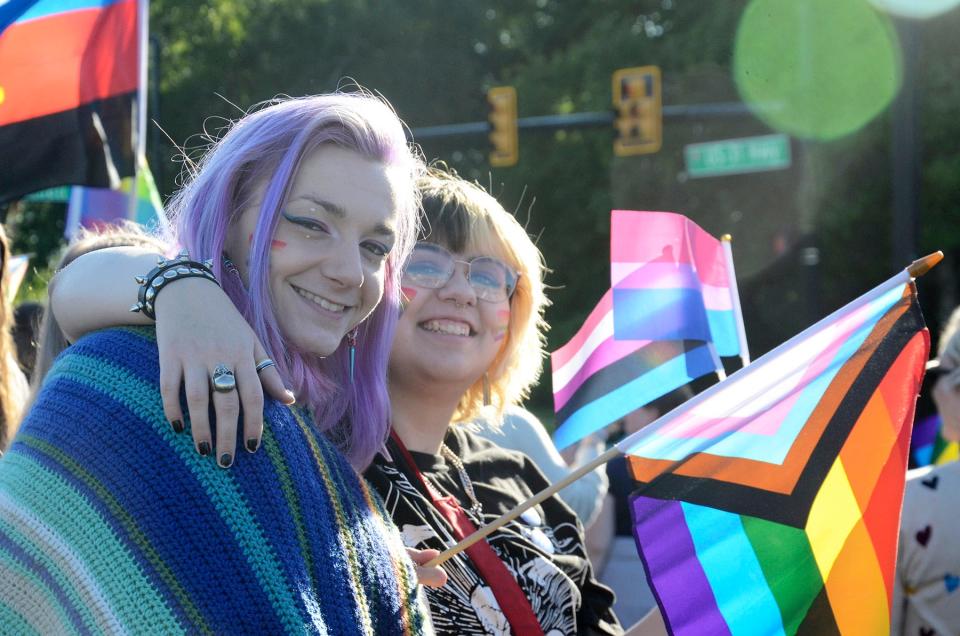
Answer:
(459, 305)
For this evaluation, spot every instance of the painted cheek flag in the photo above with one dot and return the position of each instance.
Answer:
(69, 76)
(597, 378)
(771, 501)
(673, 281)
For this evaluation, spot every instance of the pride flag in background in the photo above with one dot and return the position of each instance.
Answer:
(771, 501)
(68, 82)
(671, 281)
(927, 445)
(92, 207)
(597, 378)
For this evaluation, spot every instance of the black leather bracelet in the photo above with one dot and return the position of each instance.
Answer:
(165, 273)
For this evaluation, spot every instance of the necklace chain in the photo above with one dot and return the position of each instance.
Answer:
(451, 457)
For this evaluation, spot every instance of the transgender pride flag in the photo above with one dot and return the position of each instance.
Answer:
(673, 281)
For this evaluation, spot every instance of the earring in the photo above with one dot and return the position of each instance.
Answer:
(352, 343)
(486, 390)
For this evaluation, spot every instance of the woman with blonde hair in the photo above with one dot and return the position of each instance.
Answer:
(469, 343)
(13, 386)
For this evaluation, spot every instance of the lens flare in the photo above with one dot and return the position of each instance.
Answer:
(918, 9)
(817, 69)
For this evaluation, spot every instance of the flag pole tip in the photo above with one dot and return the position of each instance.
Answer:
(923, 265)
(726, 237)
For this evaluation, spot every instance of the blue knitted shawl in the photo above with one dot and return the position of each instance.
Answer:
(112, 523)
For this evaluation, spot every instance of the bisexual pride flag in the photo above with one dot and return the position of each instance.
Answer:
(672, 308)
(673, 281)
(770, 502)
(69, 76)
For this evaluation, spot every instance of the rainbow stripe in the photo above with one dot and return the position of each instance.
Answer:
(771, 501)
(671, 281)
(112, 523)
(597, 379)
(928, 446)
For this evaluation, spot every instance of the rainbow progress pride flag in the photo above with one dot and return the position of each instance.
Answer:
(770, 502)
(597, 378)
(69, 74)
(671, 281)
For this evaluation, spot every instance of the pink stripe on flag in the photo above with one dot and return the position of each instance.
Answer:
(717, 298)
(562, 355)
(666, 237)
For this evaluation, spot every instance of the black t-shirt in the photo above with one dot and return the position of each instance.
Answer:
(543, 548)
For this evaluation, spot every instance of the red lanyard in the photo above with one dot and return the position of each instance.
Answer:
(512, 600)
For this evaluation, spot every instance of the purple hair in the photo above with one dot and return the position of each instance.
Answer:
(267, 146)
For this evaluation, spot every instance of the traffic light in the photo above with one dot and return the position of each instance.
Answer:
(503, 126)
(639, 123)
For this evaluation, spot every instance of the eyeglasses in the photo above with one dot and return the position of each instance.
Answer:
(431, 266)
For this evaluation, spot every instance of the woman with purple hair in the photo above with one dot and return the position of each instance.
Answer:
(111, 519)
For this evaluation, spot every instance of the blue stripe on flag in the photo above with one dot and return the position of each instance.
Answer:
(723, 331)
(720, 540)
(47, 8)
(659, 314)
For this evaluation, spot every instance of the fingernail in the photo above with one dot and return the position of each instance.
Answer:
(204, 448)
(225, 460)
(292, 397)
(177, 426)
(253, 444)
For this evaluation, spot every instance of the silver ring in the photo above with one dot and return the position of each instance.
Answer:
(223, 379)
(263, 364)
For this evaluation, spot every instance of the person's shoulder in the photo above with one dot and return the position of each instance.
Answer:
(109, 358)
(473, 446)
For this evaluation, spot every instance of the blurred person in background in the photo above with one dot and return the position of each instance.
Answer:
(26, 324)
(520, 430)
(927, 583)
(13, 384)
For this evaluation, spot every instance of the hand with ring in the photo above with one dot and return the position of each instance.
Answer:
(207, 347)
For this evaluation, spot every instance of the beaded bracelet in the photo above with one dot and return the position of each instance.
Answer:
(165, 273)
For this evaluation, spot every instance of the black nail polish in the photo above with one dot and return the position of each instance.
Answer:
(225, 460)
(177, 426)
(253, 444)
(204, 448)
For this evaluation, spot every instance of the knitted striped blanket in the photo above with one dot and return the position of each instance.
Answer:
(112, 523)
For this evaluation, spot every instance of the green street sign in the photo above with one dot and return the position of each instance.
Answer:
(737, 156)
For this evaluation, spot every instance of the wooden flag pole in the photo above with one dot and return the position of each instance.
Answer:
(523, 506)
(923, 265)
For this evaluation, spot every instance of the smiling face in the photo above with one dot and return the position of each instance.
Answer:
(328, 254)
(447, 337)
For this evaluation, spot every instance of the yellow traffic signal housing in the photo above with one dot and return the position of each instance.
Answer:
(639, 122)
(503, 126)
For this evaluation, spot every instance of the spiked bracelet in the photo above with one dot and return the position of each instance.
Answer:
(165, 273)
